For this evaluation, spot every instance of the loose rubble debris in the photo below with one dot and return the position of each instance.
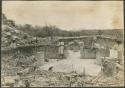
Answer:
(12, 37)
(29, 74)
(112, 74)
(44, 78)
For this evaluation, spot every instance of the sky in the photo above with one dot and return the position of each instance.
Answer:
(67, 15)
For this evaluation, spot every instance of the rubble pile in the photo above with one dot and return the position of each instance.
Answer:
(11, 36)
(112, 74)
(53, 79)
(29, 70)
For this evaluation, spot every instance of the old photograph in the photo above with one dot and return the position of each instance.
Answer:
(62, 44)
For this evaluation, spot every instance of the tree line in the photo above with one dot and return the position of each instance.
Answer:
(52, 30)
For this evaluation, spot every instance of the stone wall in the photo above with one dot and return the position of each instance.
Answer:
(51, 52)
(88, 53)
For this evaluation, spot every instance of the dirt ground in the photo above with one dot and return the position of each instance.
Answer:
(74, 63)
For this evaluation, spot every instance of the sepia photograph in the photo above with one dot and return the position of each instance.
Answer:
(62, 44)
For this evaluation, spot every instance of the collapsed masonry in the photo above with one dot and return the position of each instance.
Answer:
(112, 72)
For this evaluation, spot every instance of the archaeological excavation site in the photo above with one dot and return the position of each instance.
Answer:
(49, 56)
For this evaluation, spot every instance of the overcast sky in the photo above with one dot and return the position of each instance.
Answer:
(68, 15)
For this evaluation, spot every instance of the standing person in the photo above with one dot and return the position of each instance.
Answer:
(119, 48)
(61, 49)
(120, 53)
